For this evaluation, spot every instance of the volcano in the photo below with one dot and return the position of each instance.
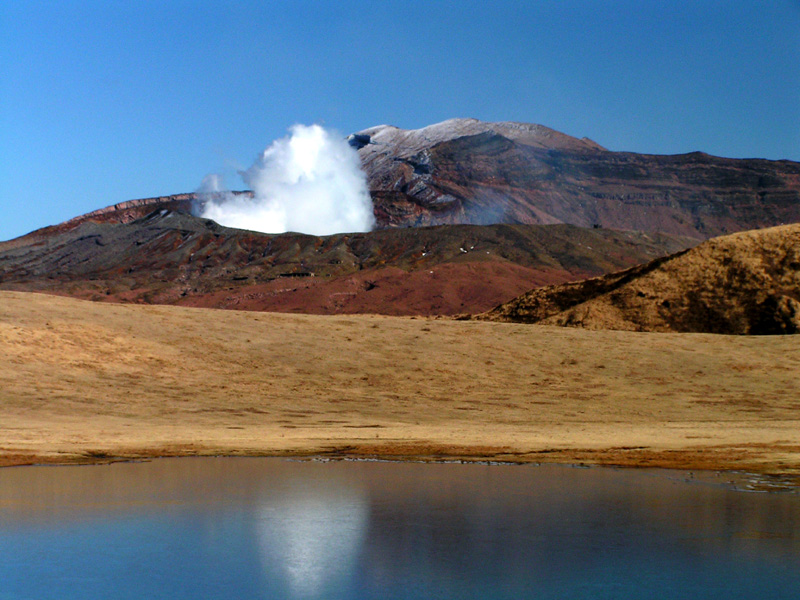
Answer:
(469, 215)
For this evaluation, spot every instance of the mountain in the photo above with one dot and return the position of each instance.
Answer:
(468, 171)
(171, 257)
(469, 215)
(744, 283)
(465, 171)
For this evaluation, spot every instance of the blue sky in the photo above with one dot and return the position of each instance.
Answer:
(107, 101)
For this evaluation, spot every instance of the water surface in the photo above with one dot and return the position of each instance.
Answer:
(269, 528)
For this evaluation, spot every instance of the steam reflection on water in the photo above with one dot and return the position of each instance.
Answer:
(313, 535)
(269, 528)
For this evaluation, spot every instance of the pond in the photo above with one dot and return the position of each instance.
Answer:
(271, 528)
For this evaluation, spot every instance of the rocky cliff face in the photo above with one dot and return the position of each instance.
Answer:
(467, 171)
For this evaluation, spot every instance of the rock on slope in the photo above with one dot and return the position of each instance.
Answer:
(744, 283)
(468, 171)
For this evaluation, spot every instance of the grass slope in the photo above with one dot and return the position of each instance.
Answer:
(83, 381)
(744, 283)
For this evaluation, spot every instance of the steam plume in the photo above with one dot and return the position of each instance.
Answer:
(309, 182)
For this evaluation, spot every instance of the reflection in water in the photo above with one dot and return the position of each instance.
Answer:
(269, 529)
(314, 538)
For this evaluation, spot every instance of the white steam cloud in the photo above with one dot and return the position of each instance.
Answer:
(309, 182)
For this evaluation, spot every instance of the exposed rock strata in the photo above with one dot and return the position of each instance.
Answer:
(467, 171)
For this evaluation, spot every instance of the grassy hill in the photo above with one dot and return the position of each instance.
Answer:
(86, 381)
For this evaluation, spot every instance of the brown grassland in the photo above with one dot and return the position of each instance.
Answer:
(88, 382)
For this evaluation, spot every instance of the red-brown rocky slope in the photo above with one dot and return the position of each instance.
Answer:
(175, 258)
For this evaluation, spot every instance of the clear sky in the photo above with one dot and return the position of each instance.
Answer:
(106, 101)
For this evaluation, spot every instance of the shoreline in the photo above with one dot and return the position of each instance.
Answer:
(657, 446)
(744, 478)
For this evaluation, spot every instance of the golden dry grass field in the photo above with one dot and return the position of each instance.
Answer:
(82, 381)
